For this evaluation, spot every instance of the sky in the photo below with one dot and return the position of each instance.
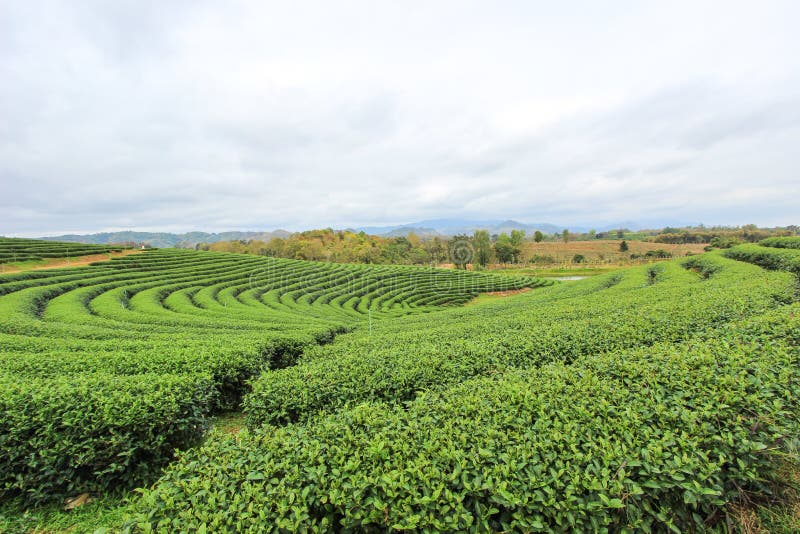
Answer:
(195, 115)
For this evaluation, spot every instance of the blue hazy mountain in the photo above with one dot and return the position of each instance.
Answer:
(427, 228)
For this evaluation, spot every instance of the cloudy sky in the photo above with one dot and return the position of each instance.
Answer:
(174, 116)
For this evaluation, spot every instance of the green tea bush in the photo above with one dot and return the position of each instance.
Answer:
(107, 369)
(94, 432)
(651, 439)
(784, 259)
(780, 242)
(17, 249)
(640, 307)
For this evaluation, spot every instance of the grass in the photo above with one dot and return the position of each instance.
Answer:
(781, 514)
(603, 251)
(228, 422)
(109, 510)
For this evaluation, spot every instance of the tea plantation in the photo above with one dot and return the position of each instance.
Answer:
(21, 250)
(105, 370)
(646, 399)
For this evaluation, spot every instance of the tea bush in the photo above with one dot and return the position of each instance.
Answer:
(107, 369)
(650, 439)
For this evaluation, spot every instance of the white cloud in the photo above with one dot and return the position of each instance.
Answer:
(201, 115)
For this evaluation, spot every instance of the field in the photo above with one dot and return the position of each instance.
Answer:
(663, 396)
(588, 258)
(20, 254)
(601, 253)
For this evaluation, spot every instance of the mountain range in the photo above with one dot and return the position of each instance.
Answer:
(427, 228)
(166, 239)
(449, 227)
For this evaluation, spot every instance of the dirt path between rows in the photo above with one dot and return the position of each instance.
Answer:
(508, 292)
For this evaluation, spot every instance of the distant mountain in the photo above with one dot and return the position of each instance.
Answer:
(164, 239)
(449, 227)
(405, 230)
(424, 229)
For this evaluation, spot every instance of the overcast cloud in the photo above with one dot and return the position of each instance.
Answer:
(229, 115)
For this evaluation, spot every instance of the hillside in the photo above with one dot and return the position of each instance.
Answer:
(661, 396)
(165, 239)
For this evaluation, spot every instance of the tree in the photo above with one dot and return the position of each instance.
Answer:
(623, 246)
(504, 249)
(620, 233)
(565, 235)
(517, 238)
(461, 250)
(538, 236)
(483, 247)
(436, 248)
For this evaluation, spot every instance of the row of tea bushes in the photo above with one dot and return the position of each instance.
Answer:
(401, 358)
(107, 369)
(18, 250)
(781, 242)
(650, 439)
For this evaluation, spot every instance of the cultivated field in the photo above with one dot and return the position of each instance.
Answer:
(28, 252)
(660, 397)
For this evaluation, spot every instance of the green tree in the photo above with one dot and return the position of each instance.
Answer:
(436, 248)
(462, 251)
(504, 249)
(517, 238)
(538, 236)
(623, 246)
(565, 235)
(483, 247)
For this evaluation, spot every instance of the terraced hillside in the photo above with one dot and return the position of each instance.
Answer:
(647, 399)
(105, 370)
(20, 250)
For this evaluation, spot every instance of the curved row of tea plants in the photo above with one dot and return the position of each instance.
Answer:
(675, 394)
(18, 250)
(106, 369)
(637, 307)
(776, 258)
(781, 242)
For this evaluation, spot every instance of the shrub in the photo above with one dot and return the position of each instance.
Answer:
(65, 436)
(649, 439)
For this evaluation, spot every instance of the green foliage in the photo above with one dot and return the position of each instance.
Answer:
(508, 248)
(769, 257)
(648, 439)
(781, 242)
(724, 242)
(14, 250)
(641, 400)
(641, 306)
(106, 370)
(65, 436)
(483, 247)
